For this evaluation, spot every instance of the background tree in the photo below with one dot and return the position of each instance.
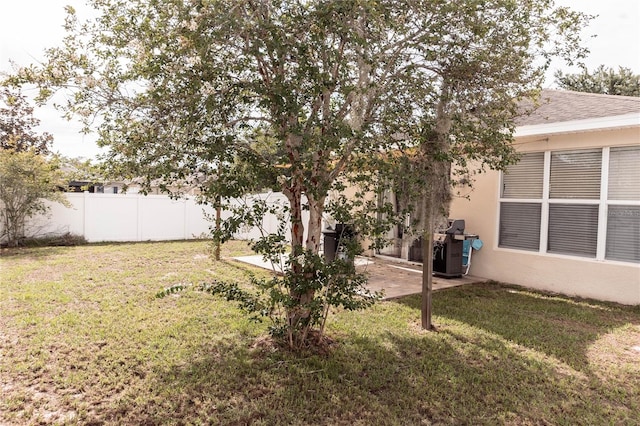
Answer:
(28, 180)
(82, 169)
(17, 123)
(606, 81)
(305, 97)
(27, 176)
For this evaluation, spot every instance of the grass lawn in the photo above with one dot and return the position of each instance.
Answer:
(84, 341)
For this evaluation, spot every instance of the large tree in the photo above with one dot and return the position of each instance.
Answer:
(603, 80)
(306, 97)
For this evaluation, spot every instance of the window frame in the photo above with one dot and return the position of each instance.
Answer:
(602, 202)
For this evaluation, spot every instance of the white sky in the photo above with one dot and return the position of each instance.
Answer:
(27, 27)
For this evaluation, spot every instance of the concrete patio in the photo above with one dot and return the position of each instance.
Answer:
(395, 278)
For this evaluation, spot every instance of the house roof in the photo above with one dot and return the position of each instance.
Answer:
(556, 106)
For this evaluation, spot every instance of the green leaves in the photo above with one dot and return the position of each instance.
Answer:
(28, 180)
(606, 81)
(170, 290)
(17, 123)
(247, 301)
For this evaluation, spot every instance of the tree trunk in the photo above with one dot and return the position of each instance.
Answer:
(294, 195)
(427, 277)
(298, 314)
(216, 249)
(436, 198)
(435, 206)
(314, 228)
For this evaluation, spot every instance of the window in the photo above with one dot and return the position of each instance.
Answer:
(524, 179)
(520, 226)
(579, 203)
(575, 175)
(623, 233)
(520, 220)
(623, 218)
(624, 175)
(573, 229)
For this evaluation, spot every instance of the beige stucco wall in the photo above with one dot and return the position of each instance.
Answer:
(604, 280)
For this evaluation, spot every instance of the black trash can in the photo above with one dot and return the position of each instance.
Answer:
(330, 244)
(334, 239)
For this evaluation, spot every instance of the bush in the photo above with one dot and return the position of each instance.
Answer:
(65, 240)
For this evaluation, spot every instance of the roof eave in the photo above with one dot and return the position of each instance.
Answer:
(591, 124)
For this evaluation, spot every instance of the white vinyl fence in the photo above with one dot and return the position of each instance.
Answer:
(136, 217)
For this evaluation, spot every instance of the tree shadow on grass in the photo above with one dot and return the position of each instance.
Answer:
(558, 326)
(413, 378)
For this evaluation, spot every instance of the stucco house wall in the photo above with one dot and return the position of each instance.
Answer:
(572, 275)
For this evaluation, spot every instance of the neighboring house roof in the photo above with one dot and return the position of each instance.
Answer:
(577, 111)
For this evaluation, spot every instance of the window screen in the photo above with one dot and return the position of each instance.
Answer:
(573, 229)
(524, 179)
(623, 233)
(575, 174)
(624, 173)
(520, 226)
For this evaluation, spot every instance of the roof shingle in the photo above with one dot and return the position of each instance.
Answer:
(555, 106)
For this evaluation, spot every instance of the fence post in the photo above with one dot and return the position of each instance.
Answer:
(138, 219)
(185, 218)
(85, 217)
